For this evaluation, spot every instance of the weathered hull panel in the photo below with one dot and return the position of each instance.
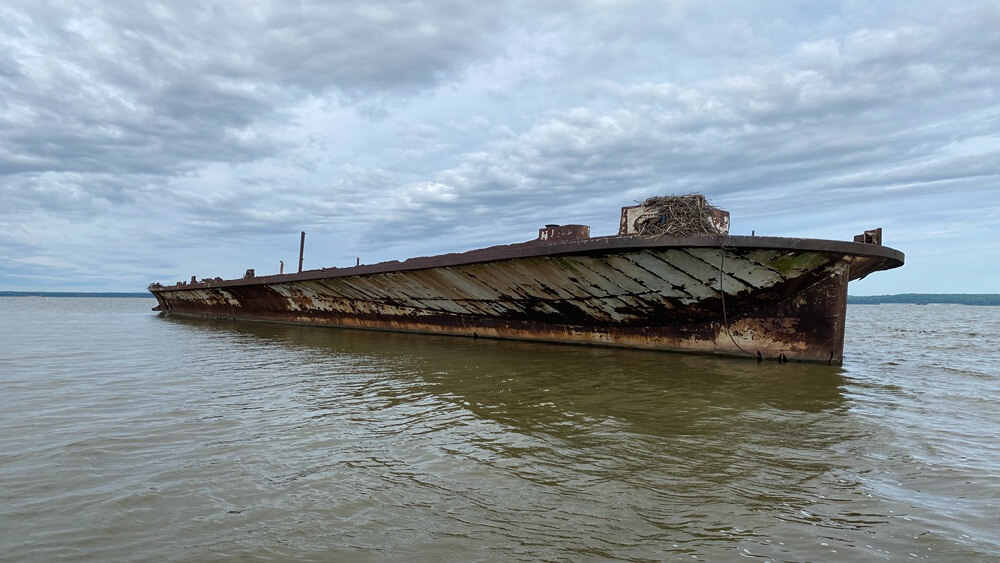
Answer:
(724, 295)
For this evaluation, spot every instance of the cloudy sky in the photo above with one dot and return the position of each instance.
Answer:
(146, 141)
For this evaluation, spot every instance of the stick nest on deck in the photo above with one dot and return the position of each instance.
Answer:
(678, 216)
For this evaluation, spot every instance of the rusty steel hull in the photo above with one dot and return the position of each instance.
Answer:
(713, 294)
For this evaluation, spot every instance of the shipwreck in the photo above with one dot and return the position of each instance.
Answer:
(673, 279)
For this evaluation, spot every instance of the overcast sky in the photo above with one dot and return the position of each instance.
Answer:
(146, 141)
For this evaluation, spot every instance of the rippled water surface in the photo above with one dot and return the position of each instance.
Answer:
(127, 436)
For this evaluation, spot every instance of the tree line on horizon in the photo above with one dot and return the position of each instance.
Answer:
(73, 294)
(927, 299)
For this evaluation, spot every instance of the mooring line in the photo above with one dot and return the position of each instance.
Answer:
(722, 296)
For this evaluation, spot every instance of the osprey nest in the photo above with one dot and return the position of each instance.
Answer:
(677, 215)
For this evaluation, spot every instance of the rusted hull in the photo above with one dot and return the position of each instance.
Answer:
(722, 295)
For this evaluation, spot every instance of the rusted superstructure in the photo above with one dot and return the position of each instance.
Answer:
(765, 297)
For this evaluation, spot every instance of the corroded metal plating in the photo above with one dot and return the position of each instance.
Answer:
(714, 294)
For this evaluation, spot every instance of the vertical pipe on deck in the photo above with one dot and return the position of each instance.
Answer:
(302, 247)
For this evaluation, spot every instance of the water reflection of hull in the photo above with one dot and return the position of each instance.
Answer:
(711, 294)
(539, 386)
(500, 443)
(669, 444)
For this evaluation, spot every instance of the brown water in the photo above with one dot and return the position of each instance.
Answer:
(126, 436)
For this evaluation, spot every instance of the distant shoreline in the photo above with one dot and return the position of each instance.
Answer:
(74, 294)
(988, 299)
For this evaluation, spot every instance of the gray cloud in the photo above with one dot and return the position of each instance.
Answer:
(210, 133)
(160, 88)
